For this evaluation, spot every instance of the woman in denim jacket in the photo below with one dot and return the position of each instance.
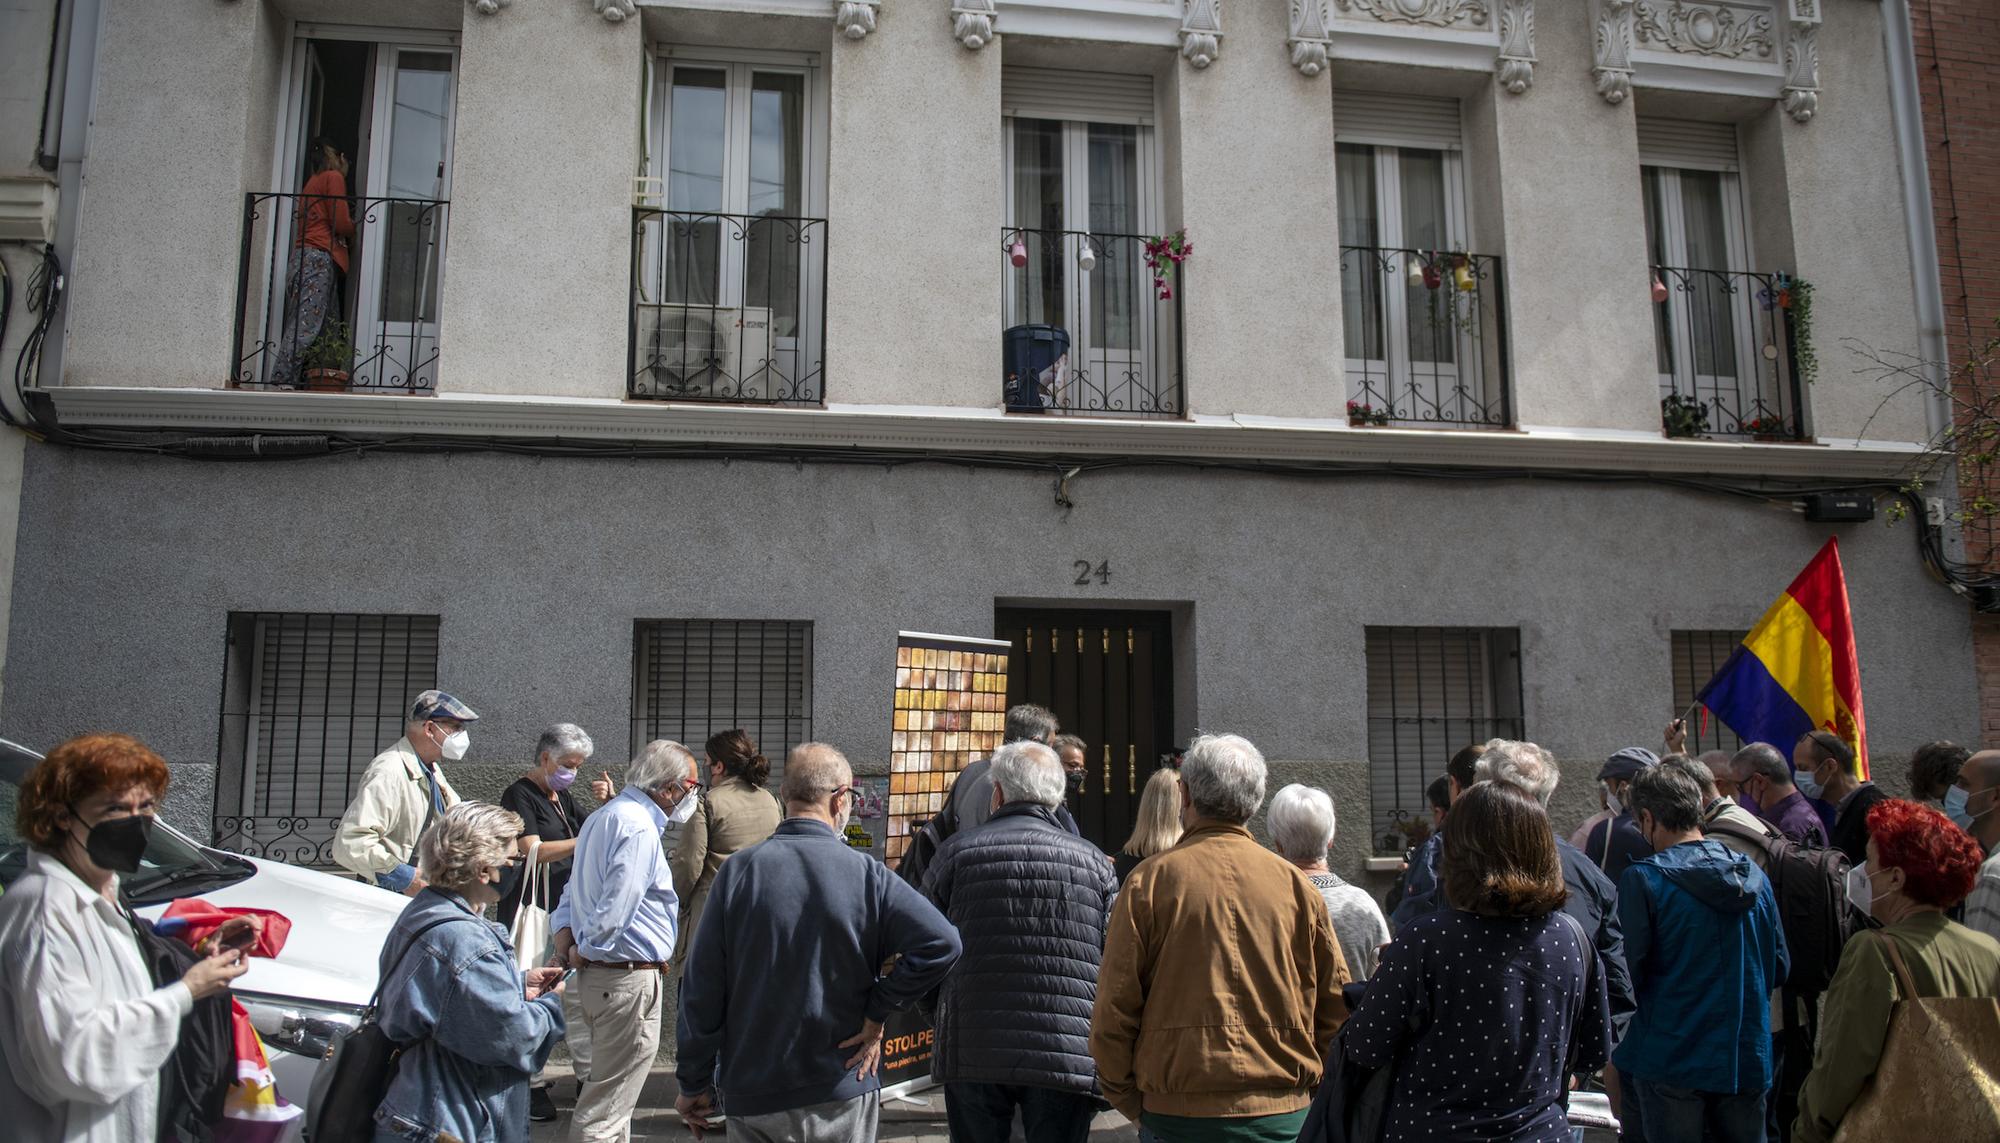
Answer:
(477, 1029)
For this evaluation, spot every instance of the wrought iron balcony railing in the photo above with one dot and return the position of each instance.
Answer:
(303, 322)
(1089, 329)
(1728, 353)
(1426, 338)
(727, 308)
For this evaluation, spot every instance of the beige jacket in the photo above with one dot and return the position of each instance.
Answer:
(1220, 987)
(379, 830)
(733, 815)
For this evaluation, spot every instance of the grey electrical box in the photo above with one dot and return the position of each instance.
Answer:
(1840, 507)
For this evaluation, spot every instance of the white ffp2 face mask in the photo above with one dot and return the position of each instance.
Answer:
(683, 810)
(455, 745)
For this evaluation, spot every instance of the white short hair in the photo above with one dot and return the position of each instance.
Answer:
(660, 764)
(1302, 822)
(1522, 765)
(1029, 772)
(1224, 774)
(467, 840)
(562, 740)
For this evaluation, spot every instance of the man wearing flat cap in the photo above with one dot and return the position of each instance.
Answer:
(1824, 768)
(1616, 843)
(403, 790)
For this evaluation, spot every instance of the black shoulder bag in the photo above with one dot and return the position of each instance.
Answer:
(355, 1076)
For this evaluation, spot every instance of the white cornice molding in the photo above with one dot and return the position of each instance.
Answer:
(1612, 40)
(1515, 68)
(1310, 39)
(972, 22)
(1201, 31)
(933, 430)
(854, 18)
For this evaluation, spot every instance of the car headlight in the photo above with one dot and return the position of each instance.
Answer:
(306, 1027)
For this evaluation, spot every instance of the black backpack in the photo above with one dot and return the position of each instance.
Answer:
(1810, 886)
(195, 1081)
(355, 1076)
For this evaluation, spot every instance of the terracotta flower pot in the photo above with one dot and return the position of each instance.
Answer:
(326, 380)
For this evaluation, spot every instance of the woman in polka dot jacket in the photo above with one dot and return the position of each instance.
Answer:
(1486, 1008)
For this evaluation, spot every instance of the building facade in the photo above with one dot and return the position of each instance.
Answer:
(681, 354)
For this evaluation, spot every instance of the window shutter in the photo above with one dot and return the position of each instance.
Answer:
(1081, 96)
(700, 676)
(1431, 690)
(1687, 144)
(1396, 120)
(1697, 655)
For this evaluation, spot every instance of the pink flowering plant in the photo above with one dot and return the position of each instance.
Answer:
(1163, 254)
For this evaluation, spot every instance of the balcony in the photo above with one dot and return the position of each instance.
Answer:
(1089, 330)
(1727, 352)
(304, 323)
(1426, 338)
(727, 308)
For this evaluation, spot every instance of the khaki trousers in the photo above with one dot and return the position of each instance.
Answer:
(621, 1007)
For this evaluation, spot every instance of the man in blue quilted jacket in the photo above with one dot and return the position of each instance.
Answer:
(1030, 901)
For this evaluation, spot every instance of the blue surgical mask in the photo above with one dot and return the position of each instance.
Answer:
(1954, 807)
(1807, 783)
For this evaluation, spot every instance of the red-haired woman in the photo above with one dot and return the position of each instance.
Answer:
(1919, 865)
(84, 1033)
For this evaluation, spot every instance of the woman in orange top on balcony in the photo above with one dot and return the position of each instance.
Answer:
(325, 226)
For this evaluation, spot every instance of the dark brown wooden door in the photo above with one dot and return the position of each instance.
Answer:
(1108, 676)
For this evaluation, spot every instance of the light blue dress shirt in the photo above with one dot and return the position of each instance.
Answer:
(620, 904)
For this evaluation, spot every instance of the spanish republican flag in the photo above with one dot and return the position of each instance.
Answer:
(1796, 671)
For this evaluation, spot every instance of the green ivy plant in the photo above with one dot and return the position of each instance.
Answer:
(1802, 330)
(1683, 416)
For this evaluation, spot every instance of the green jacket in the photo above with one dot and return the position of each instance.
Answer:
(1945, 959)
(732, 815)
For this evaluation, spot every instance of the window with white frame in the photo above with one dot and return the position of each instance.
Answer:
(1718, 328)
(1413, 315)
(1080, 164)
(308, 700)
(732, 247)
(1431, 691)
(692, 678)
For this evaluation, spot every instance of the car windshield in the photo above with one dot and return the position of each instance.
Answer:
(171, 859)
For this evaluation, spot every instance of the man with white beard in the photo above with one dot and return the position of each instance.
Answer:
(787, 983)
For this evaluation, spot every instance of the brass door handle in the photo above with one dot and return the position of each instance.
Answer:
(1132, 768)
(1107, 767)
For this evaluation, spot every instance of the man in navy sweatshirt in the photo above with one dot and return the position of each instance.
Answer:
(785, 983)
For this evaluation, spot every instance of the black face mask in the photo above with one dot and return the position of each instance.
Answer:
(117, 844)
(1074, 780)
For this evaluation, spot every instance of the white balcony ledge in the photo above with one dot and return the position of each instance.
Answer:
(920, 429)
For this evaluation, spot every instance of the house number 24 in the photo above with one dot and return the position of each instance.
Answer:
(1084, 572)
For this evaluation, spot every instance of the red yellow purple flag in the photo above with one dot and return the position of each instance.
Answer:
(1796, 671)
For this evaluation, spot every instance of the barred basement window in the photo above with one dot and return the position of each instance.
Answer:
(694, 677)
(307, 701)
(1432, 690)
(1697, 655)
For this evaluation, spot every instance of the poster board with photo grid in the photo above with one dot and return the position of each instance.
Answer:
(951, 708)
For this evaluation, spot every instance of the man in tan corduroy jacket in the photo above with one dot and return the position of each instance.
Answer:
(1220, 986)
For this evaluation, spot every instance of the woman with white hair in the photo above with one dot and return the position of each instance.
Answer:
(1302, 824)
(476, 1027)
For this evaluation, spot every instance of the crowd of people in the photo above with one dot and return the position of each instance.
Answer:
(1723, 948)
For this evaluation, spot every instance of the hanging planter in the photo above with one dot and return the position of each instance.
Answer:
(1415, 276)
(1683, 416)
(1659, 289)
(1017, 252)
(1766, 428)
(1795, 297)
(1461, 276)
(1164, 253)
(1433, 277)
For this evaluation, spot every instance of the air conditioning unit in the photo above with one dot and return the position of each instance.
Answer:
(697, 351)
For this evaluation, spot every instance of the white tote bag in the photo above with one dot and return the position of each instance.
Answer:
(531, 920)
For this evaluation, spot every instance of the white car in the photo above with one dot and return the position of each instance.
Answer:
(316, 987)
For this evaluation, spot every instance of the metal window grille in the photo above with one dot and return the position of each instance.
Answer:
(695, 677)
(1697, 655)
(1432, 690)
(308, 700)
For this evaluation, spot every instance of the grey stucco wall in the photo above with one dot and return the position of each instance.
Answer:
(128, 568)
